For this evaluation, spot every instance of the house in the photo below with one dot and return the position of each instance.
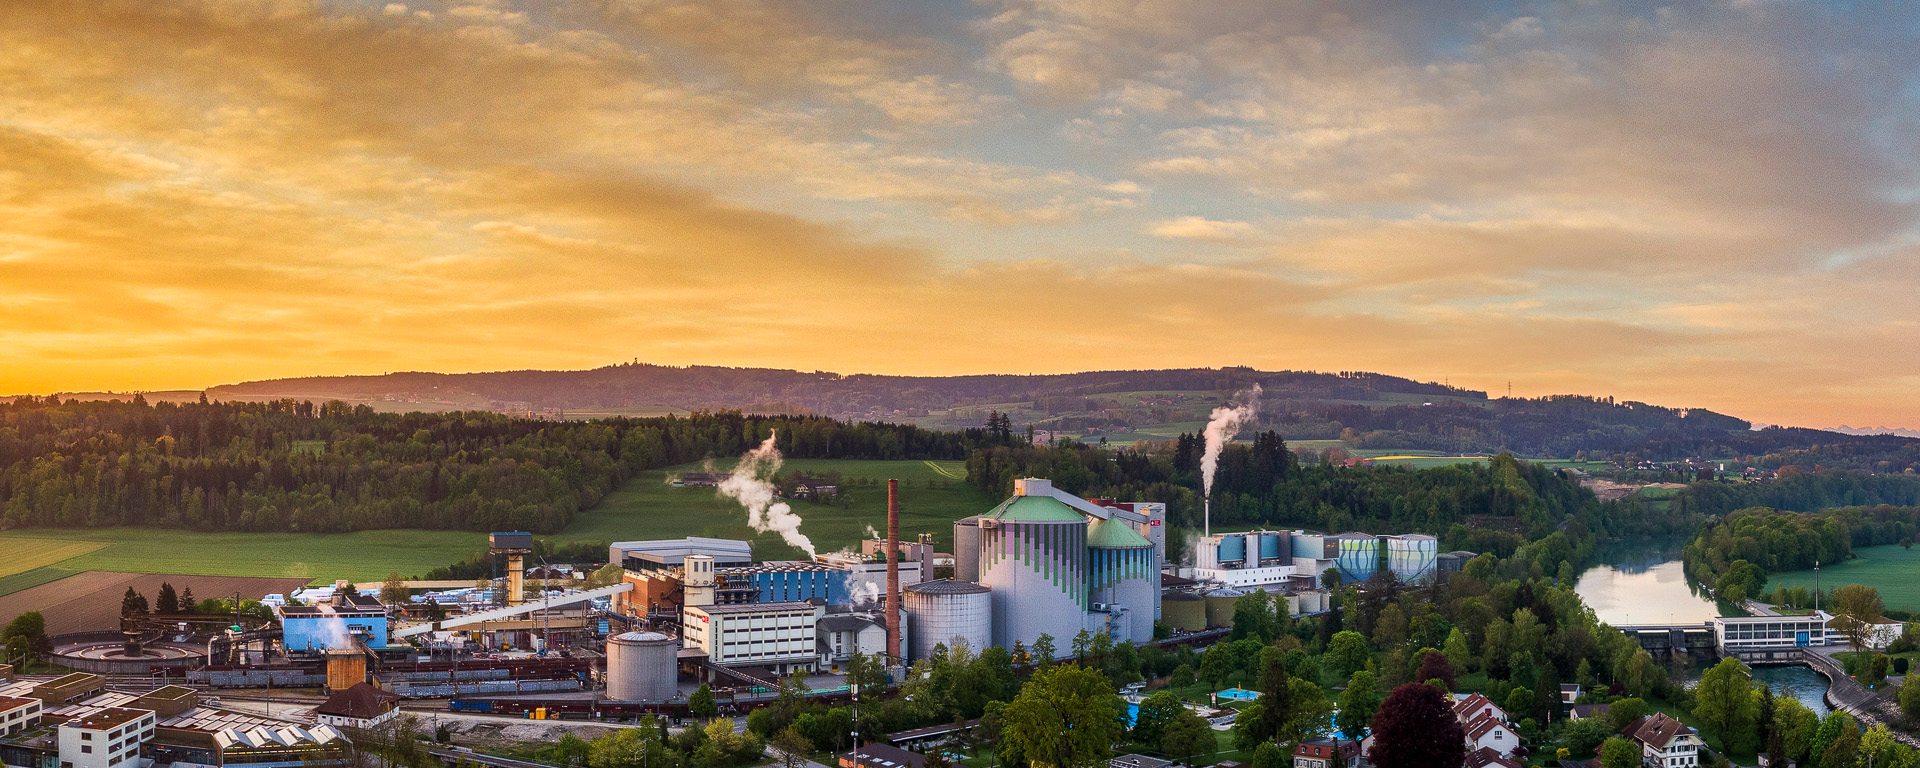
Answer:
(1569, 693)
(1469, 708)
(700, 480)
(1486, 757)
(1584, 711)
(1138, 761)
(1490, 732)
(1319, 752)
(1882, 633)
(882, 756)
(359, 706)
(1665, 742)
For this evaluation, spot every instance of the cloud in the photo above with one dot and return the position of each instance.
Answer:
(1709, 207)
(1201, 228)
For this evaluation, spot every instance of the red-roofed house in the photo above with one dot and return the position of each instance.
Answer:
(1470, 708)
(1483, 757)
(1666, 742)
(1490, 732)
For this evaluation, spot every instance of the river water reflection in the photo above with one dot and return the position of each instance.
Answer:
(1644, 583)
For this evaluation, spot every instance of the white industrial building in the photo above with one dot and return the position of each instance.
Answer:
(840, 635)
(778, 636)
(106, 738)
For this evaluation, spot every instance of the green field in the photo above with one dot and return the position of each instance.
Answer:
(933, 494)
(1889, 568)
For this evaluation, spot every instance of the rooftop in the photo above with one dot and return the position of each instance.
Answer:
(112, 717)
(947, 587)
(1035, 509)
(362, 701)
(883, 756)
(713, 610)
(1112, 533)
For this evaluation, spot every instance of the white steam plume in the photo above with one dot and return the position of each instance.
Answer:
(333, 634)
(1221, 427)
(751, 485)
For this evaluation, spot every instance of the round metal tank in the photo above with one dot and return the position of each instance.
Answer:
(948, 612)
(1121, 566)
(641, 666)
(1037, 570)
(1184, 611)
(1220, 606)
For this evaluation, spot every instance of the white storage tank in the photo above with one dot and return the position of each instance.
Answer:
(948, 612)
(641, 666)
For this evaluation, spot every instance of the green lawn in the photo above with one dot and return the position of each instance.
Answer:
(1889, 568)
(933, 495)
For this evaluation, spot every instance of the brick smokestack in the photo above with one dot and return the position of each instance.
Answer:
(893, 571)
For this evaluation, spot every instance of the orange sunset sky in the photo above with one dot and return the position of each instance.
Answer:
(1705, 204)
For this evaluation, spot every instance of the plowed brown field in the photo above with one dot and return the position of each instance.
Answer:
(90, 601)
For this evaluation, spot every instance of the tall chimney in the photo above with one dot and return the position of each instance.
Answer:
(893, 571)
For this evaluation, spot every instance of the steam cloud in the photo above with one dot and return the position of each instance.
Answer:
(1221, 427)
(333, 633)
(751, 485)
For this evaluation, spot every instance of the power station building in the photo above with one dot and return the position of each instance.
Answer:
(350, 616)
(1296, 560)
(1055, 564)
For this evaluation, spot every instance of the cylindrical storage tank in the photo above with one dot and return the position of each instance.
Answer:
(1270, 545)
(1123, 573)
(1220, 606)
(642, 666)
(948, 611)
(1233, 549)
(1183, 611)
(966, 549)
(1034, 556)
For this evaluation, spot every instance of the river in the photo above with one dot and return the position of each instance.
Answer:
(1645, 583)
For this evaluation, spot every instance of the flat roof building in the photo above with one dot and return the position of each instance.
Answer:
(779, 636)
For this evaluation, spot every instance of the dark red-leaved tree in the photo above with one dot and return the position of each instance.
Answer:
(1415, 729)
(1436, 667)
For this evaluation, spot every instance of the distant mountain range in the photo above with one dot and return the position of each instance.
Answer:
(1898, 431)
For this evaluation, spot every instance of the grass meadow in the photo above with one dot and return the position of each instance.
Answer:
(933, 495)
(1889, 568)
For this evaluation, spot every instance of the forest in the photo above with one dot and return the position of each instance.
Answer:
(301, 467)
(1482, 507)
(1798, 491)
(1780, 541)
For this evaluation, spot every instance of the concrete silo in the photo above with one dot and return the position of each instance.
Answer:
(966, 549)
(1033, 554)
(1125, 579)
(641, 667)
(948, 611)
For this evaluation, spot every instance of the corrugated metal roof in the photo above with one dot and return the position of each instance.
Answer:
(948, 587)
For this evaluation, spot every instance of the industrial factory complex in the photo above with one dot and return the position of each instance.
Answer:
(1042, 563)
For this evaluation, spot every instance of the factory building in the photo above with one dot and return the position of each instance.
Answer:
(778, 636)
(867, 573)
(655, 569)
(164, 728)
(1358, 556)
(315, 628)
(1056, 564)
(840, 635)
(1412, 557)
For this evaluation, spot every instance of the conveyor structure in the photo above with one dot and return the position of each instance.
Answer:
(511, 611)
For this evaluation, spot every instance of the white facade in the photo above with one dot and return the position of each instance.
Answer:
(780, 636)
(866, 579)
(1755, 633)
(1492, 733)
(18, 714)
(1882, 634)
(109, 738)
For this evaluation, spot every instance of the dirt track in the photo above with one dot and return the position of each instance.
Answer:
(90, 601)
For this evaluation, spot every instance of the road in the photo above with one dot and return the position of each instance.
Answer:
(476, 757)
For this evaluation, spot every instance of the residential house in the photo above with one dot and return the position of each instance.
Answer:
(1569, 693)
(882, 756)
(360, 706)
(1485, 757)
(1319, 752)
(1665, 742)
(1584, 711)
(1490, 732)
(1469, 708)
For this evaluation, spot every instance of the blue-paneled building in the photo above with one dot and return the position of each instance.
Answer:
(350, 617)
(788, 582)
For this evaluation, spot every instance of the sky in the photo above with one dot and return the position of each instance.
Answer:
(1706, 204)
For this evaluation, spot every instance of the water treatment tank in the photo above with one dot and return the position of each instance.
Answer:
(948, 612)
(641, 667)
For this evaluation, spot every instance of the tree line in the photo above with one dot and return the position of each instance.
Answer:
(298, 466)
(1491, 506)
(1746, 545)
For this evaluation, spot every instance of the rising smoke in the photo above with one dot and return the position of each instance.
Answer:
(333, 634)
(1221, 427)
(751, 484)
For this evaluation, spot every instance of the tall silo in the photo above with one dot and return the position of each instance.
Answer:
(641, 667)
(947, 612)
(1123, 573)
(966, 549)
(1033, 556)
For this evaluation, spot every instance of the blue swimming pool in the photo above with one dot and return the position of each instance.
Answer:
(1238, 694)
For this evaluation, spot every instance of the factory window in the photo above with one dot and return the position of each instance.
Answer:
(84, 736)
(86, 749)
